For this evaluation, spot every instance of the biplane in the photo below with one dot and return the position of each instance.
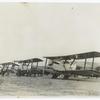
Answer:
(70, 59)
(27, 67)
(7, 67)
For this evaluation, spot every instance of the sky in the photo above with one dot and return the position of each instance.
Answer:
(29, 30)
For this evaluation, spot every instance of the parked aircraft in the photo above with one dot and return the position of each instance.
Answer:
(68, 73)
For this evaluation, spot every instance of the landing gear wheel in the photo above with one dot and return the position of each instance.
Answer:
(50, 75)
(61, 76)
(54, 76)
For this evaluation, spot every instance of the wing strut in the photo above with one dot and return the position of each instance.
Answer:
(72, 63)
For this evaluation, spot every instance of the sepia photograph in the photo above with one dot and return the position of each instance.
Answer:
(49, 49)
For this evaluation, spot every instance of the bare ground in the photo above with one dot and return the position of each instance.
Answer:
(43, 86)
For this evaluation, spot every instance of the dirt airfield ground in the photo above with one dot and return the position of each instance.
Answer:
(43, 86)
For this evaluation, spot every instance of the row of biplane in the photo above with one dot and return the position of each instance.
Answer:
(30, 67)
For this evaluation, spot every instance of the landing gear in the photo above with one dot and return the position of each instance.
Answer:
(54, 76)
(50, 75)
(66, 77)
